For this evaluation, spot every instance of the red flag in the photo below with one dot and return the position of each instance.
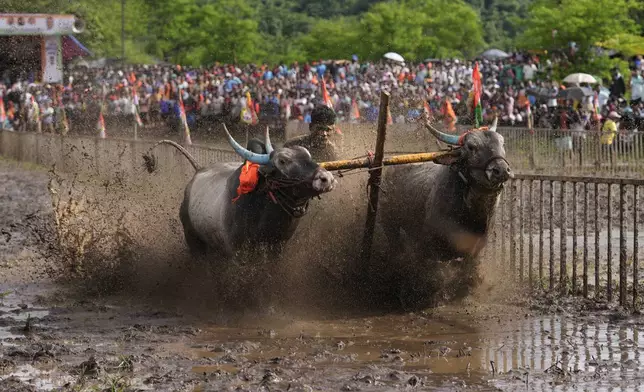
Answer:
(477, 89)
(325, 95)
(355, 112)
(3, 114)
(327, 101)
(101, 126)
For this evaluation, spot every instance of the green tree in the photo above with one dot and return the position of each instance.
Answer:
(337, 38)
(229, 32)
(554, 24)
(585, 22)
(413, 29)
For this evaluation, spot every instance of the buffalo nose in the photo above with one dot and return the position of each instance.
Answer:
(323, 181)
(500, 172)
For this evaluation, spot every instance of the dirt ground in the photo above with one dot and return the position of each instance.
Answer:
(94, 317)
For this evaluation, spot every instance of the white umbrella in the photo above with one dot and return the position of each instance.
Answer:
(494, 54)
(394, 57)
(580, 78)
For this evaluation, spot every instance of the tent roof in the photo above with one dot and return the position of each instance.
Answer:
(72, 47)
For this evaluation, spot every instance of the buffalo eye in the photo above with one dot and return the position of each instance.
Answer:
(282, 161)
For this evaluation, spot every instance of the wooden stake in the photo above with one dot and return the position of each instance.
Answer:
(374, 178)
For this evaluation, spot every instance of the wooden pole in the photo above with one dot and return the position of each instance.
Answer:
(374, 178)
(361, 163)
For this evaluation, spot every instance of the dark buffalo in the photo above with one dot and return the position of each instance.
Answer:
(266, 217)
(443, 210)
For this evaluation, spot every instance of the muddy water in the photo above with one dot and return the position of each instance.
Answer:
(470, 347)
(448, 349)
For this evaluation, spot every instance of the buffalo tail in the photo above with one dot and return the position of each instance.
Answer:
(150, 161)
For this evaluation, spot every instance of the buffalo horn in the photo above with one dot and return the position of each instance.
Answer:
(443, 137)
(494, 123)
(267, 138)
(261, 159)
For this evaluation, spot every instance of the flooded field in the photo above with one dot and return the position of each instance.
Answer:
(57, 336)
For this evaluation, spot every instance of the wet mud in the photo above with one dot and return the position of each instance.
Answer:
(95, 295)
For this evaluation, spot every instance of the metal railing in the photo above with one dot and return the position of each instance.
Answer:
(579, 235)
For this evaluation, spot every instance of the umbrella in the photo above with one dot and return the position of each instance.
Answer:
(580, 78)
(541, 92)
(394, 57)
(495, 54)
(575, 93)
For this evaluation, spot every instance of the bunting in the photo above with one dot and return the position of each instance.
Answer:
(476, 90)
(184, 121)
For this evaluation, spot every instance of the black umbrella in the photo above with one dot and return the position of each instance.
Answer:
(577, 93)
(541, 92)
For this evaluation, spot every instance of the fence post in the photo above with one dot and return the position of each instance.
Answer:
(635, 249)
(513, 235)
(552, 235)
(622, 247)
(530, 231)
(609, 261)
(585, 239)
(563, 239)
(596, 240)
(97, 156)
(574, 237)
(541, 227)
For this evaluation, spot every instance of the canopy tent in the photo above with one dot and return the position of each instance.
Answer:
(73, 48)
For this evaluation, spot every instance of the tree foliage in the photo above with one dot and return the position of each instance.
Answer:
(584, 22)
(408, 27)
(199, 32)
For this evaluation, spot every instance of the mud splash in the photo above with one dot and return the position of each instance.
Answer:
(151, 320)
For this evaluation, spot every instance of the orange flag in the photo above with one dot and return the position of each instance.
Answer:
(325, 95)
(327, 101)
(355, 112)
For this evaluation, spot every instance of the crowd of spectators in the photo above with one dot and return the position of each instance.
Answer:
(516, 89)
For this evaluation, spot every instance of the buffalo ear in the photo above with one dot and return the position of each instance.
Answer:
(448, 159)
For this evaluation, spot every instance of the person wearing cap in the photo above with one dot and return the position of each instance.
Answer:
(318, 140)
(608, 133)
